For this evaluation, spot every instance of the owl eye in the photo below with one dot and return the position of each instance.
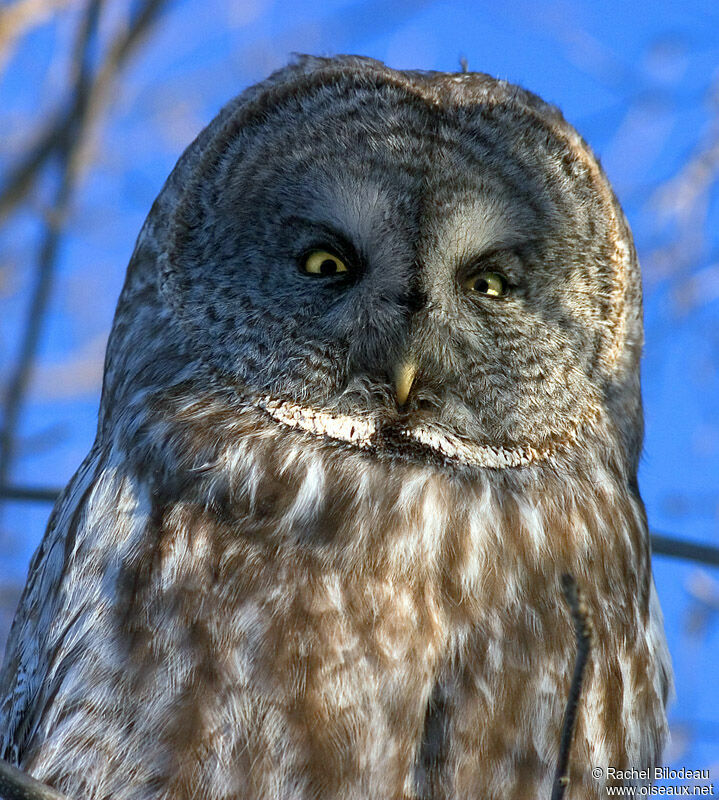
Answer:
(489, 284)
(323, 263)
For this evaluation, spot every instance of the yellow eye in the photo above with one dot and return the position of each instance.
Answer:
(490, 284)
(320, 262)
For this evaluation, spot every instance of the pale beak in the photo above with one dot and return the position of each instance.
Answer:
(403, 379)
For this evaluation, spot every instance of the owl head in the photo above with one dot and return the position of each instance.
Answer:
(423, 265)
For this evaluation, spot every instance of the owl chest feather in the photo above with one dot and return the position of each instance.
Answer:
(328, 627)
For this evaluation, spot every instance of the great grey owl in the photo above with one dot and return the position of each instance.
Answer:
(372, 388)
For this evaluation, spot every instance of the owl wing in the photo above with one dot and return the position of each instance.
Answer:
(28, 654)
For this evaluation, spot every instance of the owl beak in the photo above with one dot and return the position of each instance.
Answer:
(403, 379)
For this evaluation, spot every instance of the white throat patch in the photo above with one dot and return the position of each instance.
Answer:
(366, 435)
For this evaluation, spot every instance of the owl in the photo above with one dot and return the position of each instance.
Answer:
(372, 388)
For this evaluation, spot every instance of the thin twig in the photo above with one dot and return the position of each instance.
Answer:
(18, 785)
(583, 634)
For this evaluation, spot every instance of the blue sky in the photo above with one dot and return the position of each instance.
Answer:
(633, 77)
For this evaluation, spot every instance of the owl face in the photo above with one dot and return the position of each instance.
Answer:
(421, 265)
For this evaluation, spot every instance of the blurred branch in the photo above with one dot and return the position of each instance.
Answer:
(17, 19)
(685, 200)
(703, 588)
(29, 494)
(684, 206)
(62, 141)
(66, 149)
(670, 546)
(48, 251)
(18, 785)
(679, 195)
(60, 138)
